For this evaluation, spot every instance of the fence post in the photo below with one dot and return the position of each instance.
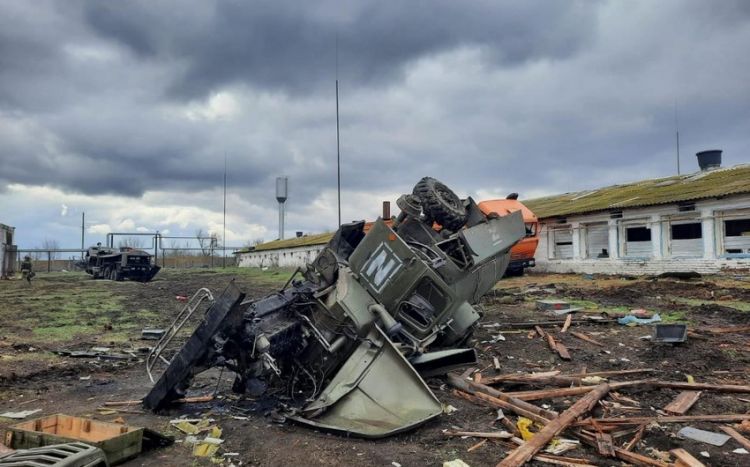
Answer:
(49, 261)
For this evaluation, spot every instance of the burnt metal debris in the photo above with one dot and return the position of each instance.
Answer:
(345, 344)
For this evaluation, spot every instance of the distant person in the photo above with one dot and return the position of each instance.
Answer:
(26, 269)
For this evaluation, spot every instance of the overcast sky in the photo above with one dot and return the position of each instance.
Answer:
(126, 110)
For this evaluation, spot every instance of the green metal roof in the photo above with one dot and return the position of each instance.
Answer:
(711, 184)
(317, 239)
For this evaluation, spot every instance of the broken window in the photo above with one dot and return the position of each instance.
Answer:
(737, 236)
(690, 231)
(638, 241)
(531, 229)
(597, 240)
(563, 243)
(686, 239)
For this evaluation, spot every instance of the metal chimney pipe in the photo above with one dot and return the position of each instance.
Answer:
(710, 159)
(386, 210)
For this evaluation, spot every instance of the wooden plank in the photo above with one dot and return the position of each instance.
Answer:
(484, 399)
(477, 446)
(566, 392)
(496, 363)
(481, 434)
(586, 338)
(683, 402)
(685, 459)
(669, 419)
(525, 452)
(540, 332)
(737, 436)
(636, 438)
(475, 388)
(703, 386)
(605, 444)
(568, 321)
(563, 351)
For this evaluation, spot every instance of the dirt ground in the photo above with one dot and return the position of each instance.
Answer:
(68, 311)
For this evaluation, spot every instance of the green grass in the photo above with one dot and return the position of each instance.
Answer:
(673, 317)
(271, 276)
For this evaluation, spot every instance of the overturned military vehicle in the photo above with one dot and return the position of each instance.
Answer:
(347, 341)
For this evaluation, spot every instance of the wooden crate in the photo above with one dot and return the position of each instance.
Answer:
(119, 442)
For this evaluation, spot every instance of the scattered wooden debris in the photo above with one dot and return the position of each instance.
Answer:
(685, 459)
(554, 427)
(555, 346)
(481, 434)
(683, 402)
(567, 324)
(636, 438)
(667, 419)
(540, 332)
(477, 446)
(737, 436)
(586, 338)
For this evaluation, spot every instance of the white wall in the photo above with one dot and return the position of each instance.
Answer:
(286, 257)
(662, 253)
(6, 260)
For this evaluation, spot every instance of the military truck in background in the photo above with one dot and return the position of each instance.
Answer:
(119, 264)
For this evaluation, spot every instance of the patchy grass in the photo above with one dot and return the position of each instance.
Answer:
(270, 276)
(673, 317)
(736, 304)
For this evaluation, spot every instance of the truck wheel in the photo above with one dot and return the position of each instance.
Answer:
(441, 203)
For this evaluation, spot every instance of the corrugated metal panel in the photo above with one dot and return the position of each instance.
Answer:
(721, 182)
(597, 239)
(692, 247)
(737, 243)
(638, 249)
(563, 239)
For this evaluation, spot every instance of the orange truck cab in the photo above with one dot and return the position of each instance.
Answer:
(522, 253)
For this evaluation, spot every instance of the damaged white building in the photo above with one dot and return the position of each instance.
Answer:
(693, 222)
(7, 251)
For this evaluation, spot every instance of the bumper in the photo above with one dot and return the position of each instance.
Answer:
(522, 263)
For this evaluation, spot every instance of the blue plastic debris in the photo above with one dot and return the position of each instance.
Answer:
(631, 320)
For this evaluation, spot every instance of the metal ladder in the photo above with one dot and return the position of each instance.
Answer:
(187, 311)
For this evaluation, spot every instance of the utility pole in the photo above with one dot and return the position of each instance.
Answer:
(224, 235)
(677, 135)
(338, 152)
(83, 233)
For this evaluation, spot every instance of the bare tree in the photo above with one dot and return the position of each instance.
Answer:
(50, 245)
(203, 242)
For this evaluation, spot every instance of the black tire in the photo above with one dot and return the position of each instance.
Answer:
(115, 274)
(514, 272)
(440, 203)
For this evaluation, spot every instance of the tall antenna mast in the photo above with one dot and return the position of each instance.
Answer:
(677, 135)
(224, 235)
(338, 140)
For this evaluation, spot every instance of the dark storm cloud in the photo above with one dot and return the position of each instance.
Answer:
(535, 97)
(292, 45)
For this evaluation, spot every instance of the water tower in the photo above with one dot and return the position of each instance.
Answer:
(282, 190)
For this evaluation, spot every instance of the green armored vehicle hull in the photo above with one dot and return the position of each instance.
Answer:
(345, 345)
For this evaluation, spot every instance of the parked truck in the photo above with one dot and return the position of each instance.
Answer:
(522, 253)
(119, 264)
